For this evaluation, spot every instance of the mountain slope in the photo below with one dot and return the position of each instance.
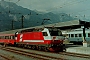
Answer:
(11, 12)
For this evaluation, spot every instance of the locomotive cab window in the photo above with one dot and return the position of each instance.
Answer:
(2, 37)
(45, 34)
(55, 33)
(59, 33)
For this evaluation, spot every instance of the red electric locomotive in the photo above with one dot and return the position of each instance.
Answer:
(49, 39)
(41, 38)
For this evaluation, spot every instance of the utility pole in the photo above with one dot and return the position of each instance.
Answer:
(22, 18)
(12, 24)
(69, 15)
(84, 15)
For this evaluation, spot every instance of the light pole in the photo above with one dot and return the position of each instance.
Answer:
(12, 24)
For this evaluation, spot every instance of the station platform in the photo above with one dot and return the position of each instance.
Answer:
(78, 49)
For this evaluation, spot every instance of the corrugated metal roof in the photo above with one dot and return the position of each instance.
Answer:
(61, 24)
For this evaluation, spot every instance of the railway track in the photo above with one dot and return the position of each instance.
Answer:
(31, 55)
(44, 57)
(6, 58)
(75, 54)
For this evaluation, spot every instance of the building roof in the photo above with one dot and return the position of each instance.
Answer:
(61, 25)
(74, 24)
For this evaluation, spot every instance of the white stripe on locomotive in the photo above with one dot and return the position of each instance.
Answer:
(33, 40)
(21, 37)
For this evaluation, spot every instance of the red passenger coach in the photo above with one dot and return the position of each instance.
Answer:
(7, 39)
(41, 39)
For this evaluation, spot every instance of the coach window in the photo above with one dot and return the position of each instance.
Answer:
(69, 35)
(0, 37)
(12, 37)
(72, 35)
(88, 34)
(80, 35)
(76, 35)
(6, 37)
(9, 37)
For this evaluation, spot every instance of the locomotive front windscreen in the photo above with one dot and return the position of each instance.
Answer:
(55, 32)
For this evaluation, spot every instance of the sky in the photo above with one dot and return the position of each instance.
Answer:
(77, 8)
